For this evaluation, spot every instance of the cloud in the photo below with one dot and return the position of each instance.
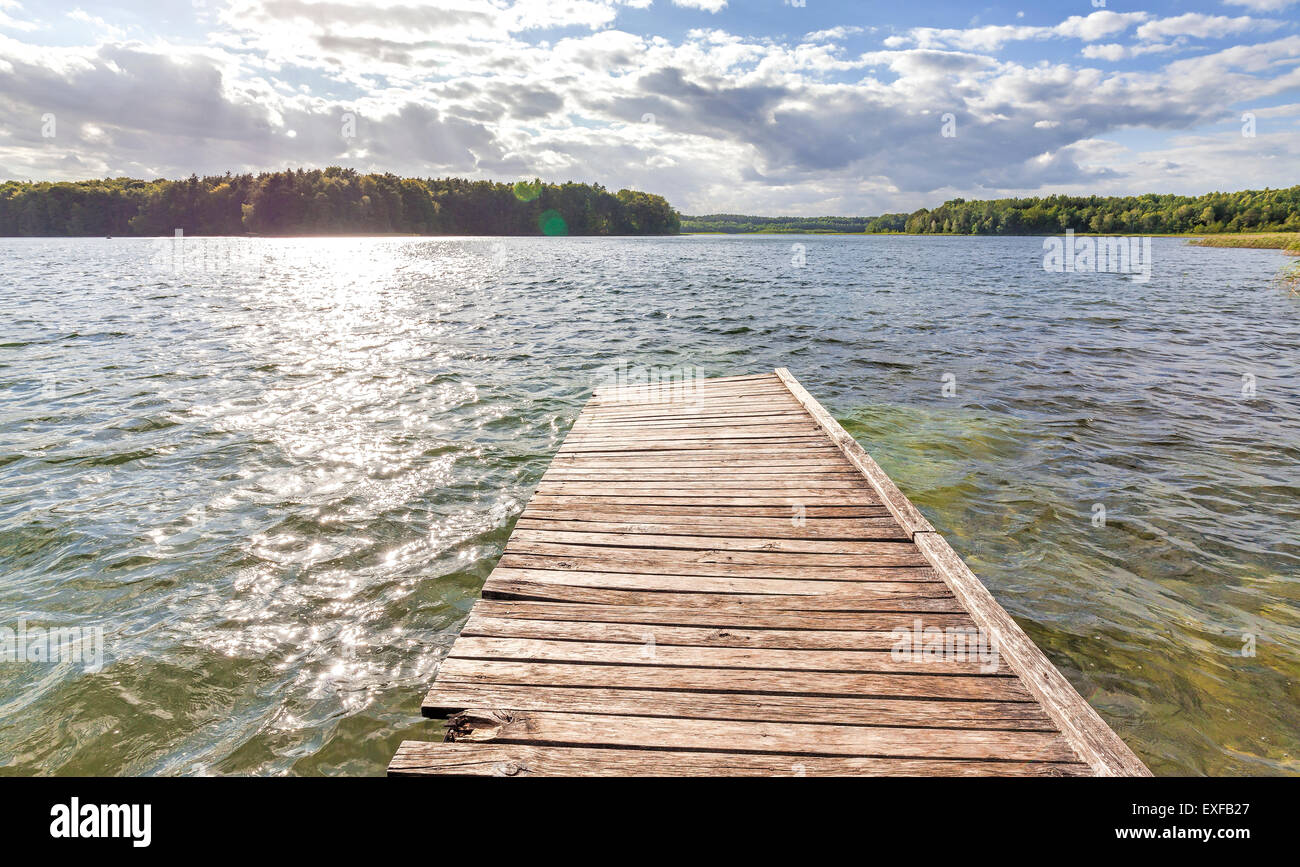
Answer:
(560, 90)
(1262, 5)
(8, 22)
(1114, 51)
(1199, 26)
(833, 34)
(1096, 25)
(712, 6)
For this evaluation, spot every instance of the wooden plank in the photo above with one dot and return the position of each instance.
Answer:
(700, 465)
(502, 579)
(628, 421)
(877, 529)
(763, 401)
(729, 430)
(417, 758)
(650, 652)
(780, 476)
(902, 555)
(830, 683)
(499, 588)
(667, 425)
(868, 518)
(668, 454)
(787, 738)
(844, 488)
(702, 499)
(685, 636)
(663, 543)
(723, 615)
(602, 507)
(775, 445)
(708, 568)
(447, 699)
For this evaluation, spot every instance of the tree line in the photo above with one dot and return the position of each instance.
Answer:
(1265, 210)
(329, 201)
(736, 224)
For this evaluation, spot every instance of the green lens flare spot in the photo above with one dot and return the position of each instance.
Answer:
(552, 223)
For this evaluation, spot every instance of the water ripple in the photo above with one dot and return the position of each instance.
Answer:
(280, 482)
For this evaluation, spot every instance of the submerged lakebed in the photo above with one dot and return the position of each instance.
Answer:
(275, 473)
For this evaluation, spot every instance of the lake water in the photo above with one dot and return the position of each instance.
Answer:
(276, 472)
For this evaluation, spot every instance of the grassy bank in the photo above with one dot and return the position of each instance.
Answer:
(1286, 241)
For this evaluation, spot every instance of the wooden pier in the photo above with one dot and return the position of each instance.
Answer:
(716, 579)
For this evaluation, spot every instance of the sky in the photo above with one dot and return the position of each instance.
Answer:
(779, 107)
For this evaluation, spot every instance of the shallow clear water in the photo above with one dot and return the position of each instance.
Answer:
(277, 471)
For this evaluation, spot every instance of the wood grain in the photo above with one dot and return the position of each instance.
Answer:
(714, 578)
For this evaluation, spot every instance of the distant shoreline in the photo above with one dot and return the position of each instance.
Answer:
(1288, 242)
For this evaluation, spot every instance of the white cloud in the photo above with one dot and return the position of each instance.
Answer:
(992, 37)
(833, 34)
(1098, 25)
(1113, 51)
(1199, 26)
(95, 21)
(703, 5)
(8, 22)
(1262, 5)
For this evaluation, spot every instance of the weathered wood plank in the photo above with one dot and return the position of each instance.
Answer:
(875, 529)
(769, 475)
(845, 488)
(446, 699)
(705, 568)
(902, 556)
(725, 614)
(418, 758)
(831, 683)
(704, 499)
(650, 652)
(685, 636)
(611, 427)
(668, 542)
(499, 588)
(787, 738)
(600, 507)
(880, 590)
(503, 581)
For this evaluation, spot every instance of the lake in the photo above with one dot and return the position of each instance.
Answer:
(276, 472)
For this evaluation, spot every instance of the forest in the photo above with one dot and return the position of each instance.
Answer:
(1150, 214)
(736, 224)
(323, 202)
(342, 201)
